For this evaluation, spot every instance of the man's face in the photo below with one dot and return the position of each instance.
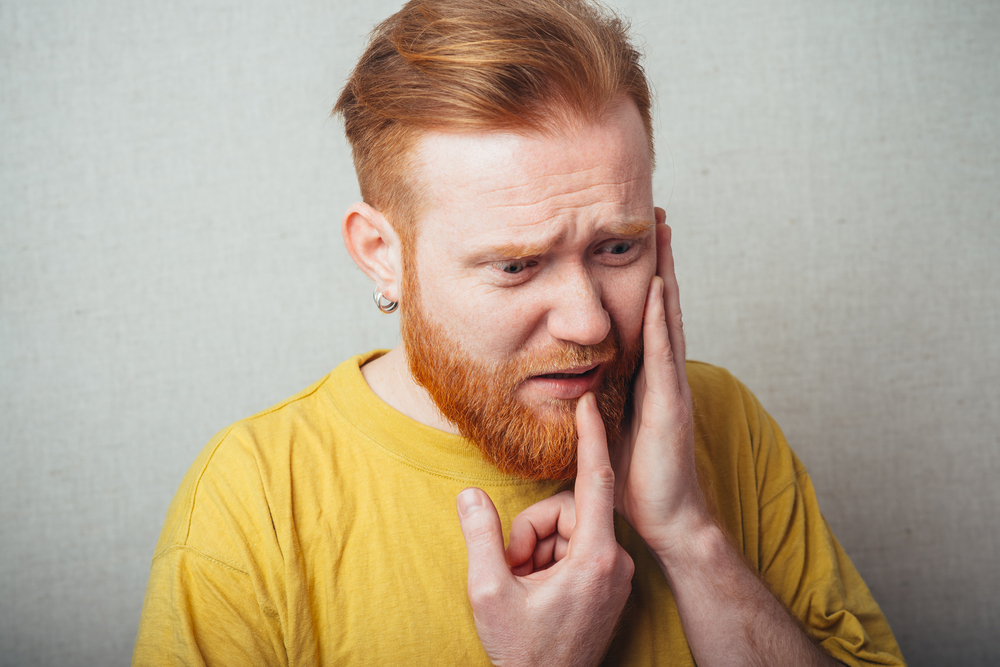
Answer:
(527, 282)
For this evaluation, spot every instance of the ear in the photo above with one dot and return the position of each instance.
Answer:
(374, 246)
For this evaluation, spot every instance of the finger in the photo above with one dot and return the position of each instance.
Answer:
(671, 301)
(545, 552)
(663, 370)
(595, 479)
(658, 362)
(524, 569)
(548, 552)
(488, 571)
(554, 515)
(561, 549)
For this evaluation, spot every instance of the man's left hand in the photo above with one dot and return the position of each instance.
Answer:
(729, 616)
(656, 482)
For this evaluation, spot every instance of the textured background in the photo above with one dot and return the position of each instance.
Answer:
(170, 261)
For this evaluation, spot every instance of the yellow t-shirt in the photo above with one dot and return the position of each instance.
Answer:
(323, 531)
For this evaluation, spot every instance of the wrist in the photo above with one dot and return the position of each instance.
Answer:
(696, 546)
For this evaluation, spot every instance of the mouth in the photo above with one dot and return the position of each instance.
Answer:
(565, 383)
(571, 373)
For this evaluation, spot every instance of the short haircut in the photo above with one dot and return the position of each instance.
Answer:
(475, 65)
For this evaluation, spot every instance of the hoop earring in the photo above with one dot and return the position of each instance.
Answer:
(384, 304)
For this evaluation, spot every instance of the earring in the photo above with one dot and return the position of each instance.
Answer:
(384, 304)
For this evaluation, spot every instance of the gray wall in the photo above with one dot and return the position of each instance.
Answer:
(170, 261)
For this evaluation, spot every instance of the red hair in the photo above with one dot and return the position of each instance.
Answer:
(475, 65)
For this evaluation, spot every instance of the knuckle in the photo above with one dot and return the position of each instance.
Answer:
(627, 565)
(521, 524)
(614, 563)
(604, 476)
(484, 592)
(668, 353)
(606, 562)
(478, 533)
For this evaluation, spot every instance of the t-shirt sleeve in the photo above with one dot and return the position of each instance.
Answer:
(806, 567)
(200, 611)
(808, 570)
(204, 604)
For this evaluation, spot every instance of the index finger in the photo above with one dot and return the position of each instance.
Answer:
(671, 298)
(595, 478)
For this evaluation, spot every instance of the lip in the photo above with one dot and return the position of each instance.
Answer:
(575, 370)
(582, 379)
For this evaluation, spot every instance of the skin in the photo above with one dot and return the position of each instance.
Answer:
(521, 247)
(530, 240)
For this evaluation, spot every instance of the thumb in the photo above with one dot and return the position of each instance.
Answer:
(488, 570)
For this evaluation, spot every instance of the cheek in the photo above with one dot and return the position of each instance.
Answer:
(626, 302)
(433, 280)
(506, 322)
(489, 323)
(629, 318)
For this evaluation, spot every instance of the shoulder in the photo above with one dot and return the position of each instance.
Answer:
(720, 398)
(244, 472)
(708, 381)
(736, 434)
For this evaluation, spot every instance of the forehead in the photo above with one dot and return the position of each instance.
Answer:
(570, 179)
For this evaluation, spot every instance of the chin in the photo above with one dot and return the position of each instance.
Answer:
(549, 409)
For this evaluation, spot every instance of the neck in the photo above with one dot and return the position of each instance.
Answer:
(389, 377)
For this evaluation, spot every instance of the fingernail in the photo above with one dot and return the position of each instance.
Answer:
(469, 501)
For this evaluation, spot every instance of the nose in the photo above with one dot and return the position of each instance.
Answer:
(576, 311)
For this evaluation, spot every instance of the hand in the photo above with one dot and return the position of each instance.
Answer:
(657, 487)
(565, 613)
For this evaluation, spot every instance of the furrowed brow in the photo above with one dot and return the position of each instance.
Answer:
(631, 228)
(517, 250)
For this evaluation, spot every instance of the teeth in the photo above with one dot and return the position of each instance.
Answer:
(563, 376)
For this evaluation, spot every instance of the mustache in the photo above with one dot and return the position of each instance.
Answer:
(556, 359)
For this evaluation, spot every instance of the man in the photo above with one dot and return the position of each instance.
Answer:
(504, 155)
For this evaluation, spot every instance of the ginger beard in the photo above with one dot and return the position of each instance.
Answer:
(481, 398)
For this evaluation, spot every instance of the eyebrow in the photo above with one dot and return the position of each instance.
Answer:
(516, 250)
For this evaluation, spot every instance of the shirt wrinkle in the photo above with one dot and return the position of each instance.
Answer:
(791, 484)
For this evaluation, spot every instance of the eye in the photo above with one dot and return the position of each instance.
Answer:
(513, 266)
(620, 252)
(617, 248)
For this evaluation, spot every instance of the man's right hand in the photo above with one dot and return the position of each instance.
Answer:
(566, 613)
